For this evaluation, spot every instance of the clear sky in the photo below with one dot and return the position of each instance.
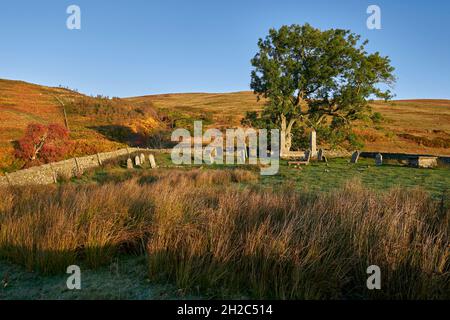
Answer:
(133, 47)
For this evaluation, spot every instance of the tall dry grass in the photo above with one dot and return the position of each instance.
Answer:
(217, 232)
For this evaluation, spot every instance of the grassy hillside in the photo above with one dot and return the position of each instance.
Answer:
(94, 122)
(100, 124)
(409, 126)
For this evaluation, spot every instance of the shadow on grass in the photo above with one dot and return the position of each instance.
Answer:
(157, 139)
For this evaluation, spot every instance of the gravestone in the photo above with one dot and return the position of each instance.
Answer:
(218, 153)
(241, 156)
(151, 158)
(253, 152)
(379, 159)
(320, 155)
(209, 157)
(129, 164)
(142, 159)
(308, 155)
(198, 156)
(313, 143)
(355, 157)
(137, 161)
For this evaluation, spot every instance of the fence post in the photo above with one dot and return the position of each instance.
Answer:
(78, 166)
(8, 178)
(55, 176)
(99, 160)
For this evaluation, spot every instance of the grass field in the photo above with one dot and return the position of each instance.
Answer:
(222, 231)
(225, 231)
(318, 176)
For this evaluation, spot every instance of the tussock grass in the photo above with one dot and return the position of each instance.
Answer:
(208, 231)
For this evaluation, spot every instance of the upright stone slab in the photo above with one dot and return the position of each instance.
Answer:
(137, 161)
(241, 156)
(99, 160)
(198, 156)
(320, 155)
(253, 152)
(355, 157)
(142, 158)
(208, 157)
(151, 158)
(313, 143)
(308, 155)
(379, 159)
(129, 164)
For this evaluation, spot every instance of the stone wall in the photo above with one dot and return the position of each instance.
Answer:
(49, 173)
(406, 157)
(327, 153)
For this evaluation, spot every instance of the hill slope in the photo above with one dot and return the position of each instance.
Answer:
(409, 126)
(91, 119)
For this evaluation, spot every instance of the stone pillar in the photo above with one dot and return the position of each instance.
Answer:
(308, 155)
(78, 167)
(151, 158)
(355, 157)
(379, 159)
(240, 156)
(137, 161)
(313, 143)
(8, 178)
(54, 174)
(320, 155)
(99, 160)
(129, 163)
(282, 143)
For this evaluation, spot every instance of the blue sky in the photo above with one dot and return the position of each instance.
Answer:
(129, 48)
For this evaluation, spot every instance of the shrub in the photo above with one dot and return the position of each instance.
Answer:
(42, 144)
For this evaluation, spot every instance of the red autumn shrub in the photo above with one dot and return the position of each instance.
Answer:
(42, 144)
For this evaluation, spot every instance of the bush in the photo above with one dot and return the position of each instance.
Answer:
(42, 144)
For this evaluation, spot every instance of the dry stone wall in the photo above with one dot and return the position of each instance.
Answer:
(49, 173)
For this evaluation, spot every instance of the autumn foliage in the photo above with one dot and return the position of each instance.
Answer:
(42, 144)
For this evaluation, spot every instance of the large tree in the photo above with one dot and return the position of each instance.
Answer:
(314, 77)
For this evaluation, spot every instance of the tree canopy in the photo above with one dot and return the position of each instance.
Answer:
(42, 144)
(316, 77)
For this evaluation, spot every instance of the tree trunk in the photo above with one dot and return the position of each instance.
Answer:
(285, 135)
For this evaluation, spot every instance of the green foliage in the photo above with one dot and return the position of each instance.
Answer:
(377, 117)
(317, 77)
(337, 137)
